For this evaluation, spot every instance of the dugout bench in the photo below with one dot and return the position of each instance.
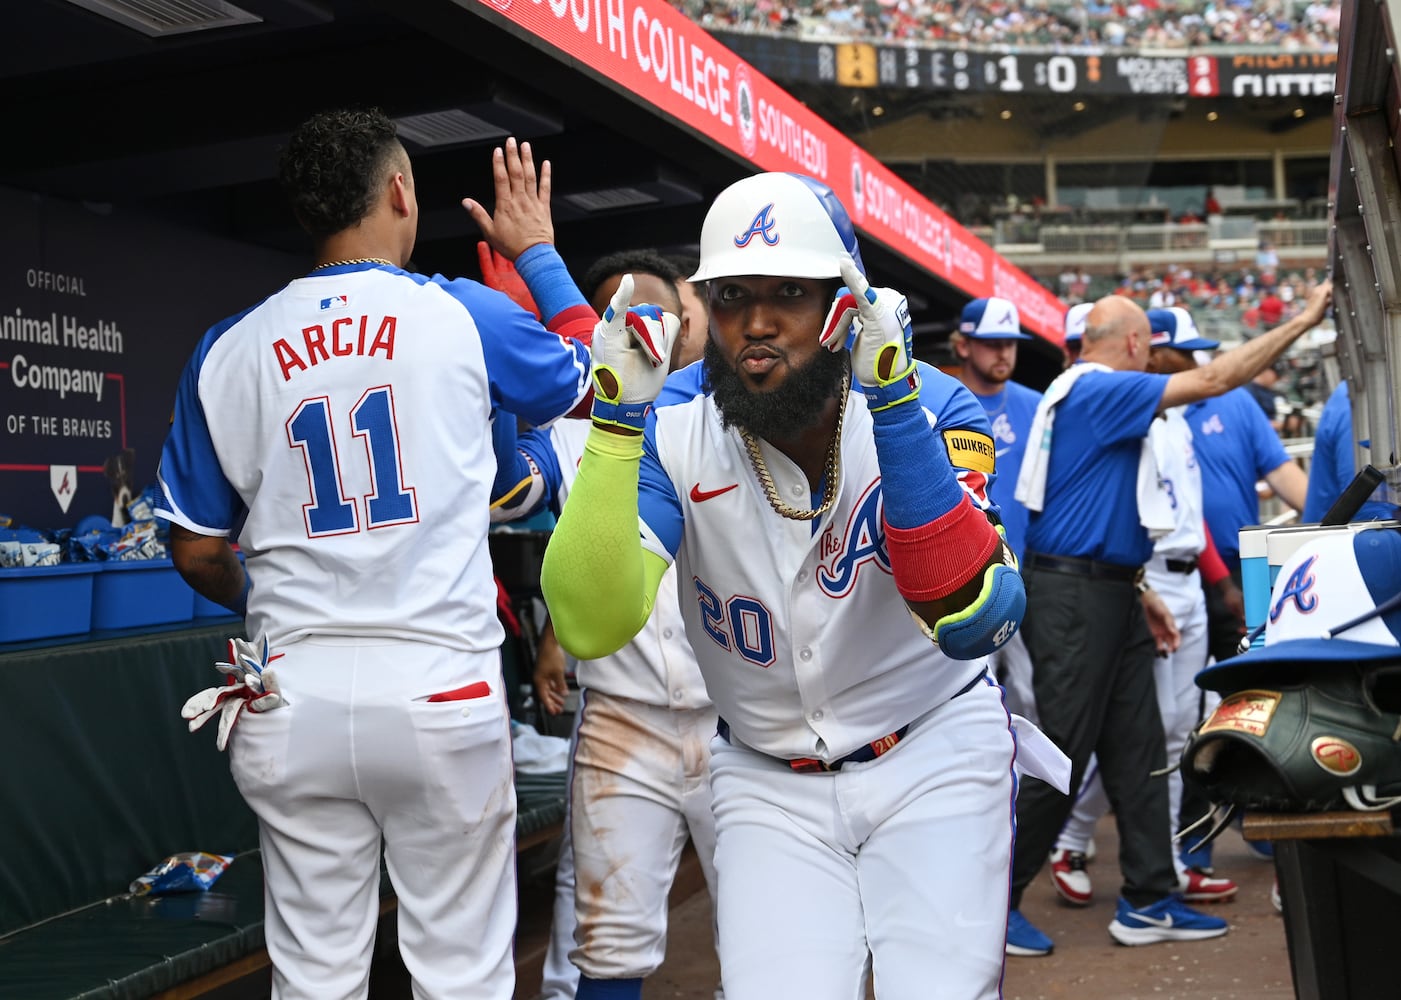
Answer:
(100, 781)
(1340, 884)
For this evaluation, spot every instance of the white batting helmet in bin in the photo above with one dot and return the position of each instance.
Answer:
(776, 224)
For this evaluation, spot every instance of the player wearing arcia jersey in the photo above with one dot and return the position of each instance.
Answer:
(803, 524)
(343, 423)
(1172, 572)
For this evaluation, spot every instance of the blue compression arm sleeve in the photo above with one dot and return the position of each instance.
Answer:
(544, 273)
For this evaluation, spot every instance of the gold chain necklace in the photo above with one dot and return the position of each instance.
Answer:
(829, 476)
(354, 260)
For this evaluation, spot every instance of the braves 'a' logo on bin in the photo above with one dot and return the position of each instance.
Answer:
(1299, 589)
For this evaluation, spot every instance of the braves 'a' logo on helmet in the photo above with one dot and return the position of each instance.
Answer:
(762, 226)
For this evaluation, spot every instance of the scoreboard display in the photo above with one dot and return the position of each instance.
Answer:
(957, 70)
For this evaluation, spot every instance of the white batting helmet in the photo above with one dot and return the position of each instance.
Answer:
(776, 224)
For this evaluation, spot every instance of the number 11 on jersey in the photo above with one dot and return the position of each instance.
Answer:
(331, 512)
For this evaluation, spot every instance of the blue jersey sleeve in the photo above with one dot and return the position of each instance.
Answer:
(962, 428)
(194, 491)
(536, 443)
(532, 372)
(1118, 406)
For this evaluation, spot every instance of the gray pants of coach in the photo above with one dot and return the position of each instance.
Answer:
(1092, 673)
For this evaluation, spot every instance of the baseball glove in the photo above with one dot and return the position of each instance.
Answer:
(1329, 738)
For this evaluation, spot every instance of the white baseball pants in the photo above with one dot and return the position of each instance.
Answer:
(906, 857)
(357, 757)
(640, 788)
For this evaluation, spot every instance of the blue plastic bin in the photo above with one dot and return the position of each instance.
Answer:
(41, 602)
(135, 592)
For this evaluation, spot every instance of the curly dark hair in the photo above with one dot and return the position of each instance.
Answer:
(333, 166)
(630, 262)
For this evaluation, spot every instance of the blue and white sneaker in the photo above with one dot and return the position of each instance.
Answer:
(1024, 939)
(1168, 919)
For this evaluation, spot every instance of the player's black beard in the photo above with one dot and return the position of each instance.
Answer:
(783, 412)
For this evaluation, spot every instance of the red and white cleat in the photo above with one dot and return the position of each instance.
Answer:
(1199, 887)
(1071, 880)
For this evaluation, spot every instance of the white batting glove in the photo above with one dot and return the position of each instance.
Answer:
(631, 352)
(874, 325)
(251, 685)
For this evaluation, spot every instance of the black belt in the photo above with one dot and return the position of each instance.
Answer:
(1092, 568)
(1182, 565)
(861, 754)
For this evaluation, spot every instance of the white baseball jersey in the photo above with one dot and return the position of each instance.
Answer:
(354, 438)
(1181, 479)
(657, 667)
(806, 646)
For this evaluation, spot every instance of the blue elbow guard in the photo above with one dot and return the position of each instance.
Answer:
(986, 624)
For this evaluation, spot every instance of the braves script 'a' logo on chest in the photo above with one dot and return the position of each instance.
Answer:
(763, 227)
(1002, 429)
(863, 542)
(1299, 589)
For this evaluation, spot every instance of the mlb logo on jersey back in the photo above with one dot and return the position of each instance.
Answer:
(336, 302)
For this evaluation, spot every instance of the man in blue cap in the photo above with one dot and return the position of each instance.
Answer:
(986, 346)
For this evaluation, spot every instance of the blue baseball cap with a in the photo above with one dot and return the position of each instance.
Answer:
(1075, 321)
(991, 319)
(1337, 599)
(1175, 328)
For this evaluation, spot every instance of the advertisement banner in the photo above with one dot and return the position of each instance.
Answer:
(1280, 74)
(95, 328)
(654, 52)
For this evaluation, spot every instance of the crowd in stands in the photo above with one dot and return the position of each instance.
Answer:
(1244, 301)
(1142, 24)
(1262, 296)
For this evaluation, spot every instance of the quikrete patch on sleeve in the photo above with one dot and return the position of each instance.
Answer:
(970, 450)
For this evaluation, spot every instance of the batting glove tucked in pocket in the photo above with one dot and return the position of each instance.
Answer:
(251, 685)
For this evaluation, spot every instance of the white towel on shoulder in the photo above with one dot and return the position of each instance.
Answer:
(1154, 505)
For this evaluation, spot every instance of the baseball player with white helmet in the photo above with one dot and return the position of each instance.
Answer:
(343, 423)
(821, 544)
